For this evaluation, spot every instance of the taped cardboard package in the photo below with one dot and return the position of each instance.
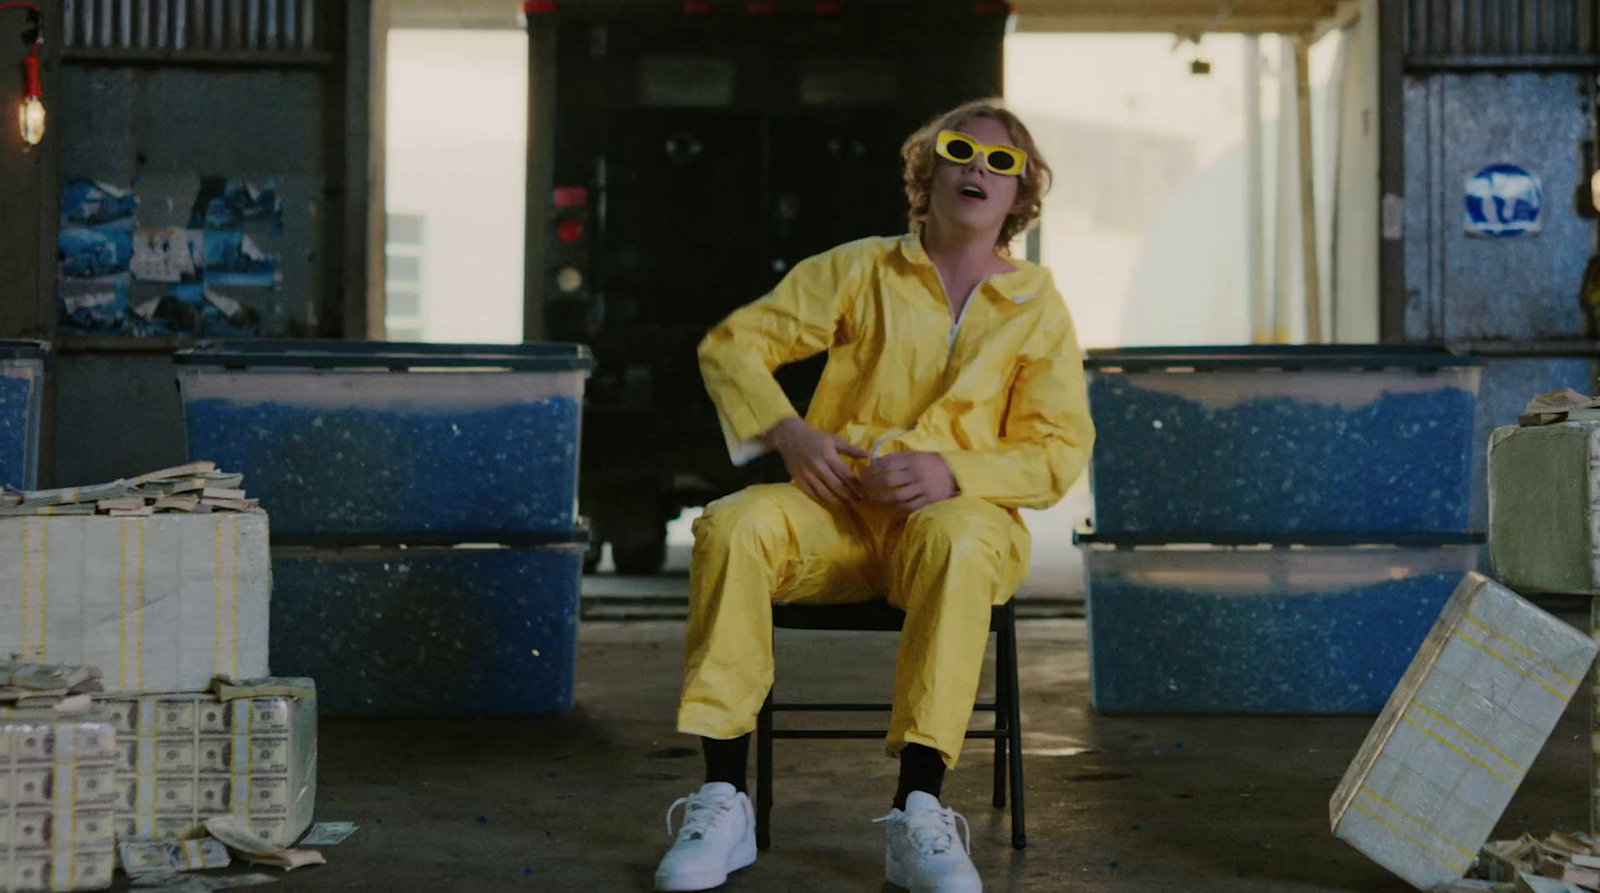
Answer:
(185, 757)
(57, 797)
(1594, 724)
(160, 603)
(1458, 734)
(1544, 506)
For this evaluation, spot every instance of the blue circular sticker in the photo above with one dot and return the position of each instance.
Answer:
(1502, 201)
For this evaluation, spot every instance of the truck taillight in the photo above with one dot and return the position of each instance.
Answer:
(570, 197)
(538, 7)
(569, 231)
(989, 7)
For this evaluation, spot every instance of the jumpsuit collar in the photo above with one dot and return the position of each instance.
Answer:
(1003, 283)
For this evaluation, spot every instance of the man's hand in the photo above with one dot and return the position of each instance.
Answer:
(812, 458)
(909, 481)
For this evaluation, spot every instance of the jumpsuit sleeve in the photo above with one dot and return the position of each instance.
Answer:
(1046, 435)
(796, 320)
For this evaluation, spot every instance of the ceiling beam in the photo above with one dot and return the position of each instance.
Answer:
(1185, 17)
(450, 14)
(1188, 25)
(1185, 8)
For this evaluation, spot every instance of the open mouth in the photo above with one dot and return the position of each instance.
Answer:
(972, 191)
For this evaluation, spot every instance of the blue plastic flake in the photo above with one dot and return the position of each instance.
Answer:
(429, 632)
(1168, 650)
(510, 469)
(1167, 464)
(16, 398)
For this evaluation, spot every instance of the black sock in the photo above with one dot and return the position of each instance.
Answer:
(726, 760)
(921, 769)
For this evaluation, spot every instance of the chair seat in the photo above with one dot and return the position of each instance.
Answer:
(874, 616)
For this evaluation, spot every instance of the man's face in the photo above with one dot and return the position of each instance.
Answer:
(969, 197)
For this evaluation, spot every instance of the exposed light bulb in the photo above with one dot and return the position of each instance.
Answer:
(31, 114)
(32, 120)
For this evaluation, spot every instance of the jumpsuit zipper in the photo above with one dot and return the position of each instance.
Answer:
(950, 352)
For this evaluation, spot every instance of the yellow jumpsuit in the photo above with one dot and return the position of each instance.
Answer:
(998, 393)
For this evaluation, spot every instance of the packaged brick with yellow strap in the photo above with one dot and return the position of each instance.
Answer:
(952, 397)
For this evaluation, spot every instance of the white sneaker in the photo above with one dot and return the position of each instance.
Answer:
(925, 855)
(718, 837)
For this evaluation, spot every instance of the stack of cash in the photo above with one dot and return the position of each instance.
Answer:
(196, 488)
(1561, 862)
(66, 689)
(58, 801)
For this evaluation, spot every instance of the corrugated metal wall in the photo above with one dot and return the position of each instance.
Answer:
(1465, 288)
(1531, 30)
(269, 26)
(158, 97)
(1483, 82)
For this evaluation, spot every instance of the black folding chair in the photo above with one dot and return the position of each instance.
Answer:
(878, 616)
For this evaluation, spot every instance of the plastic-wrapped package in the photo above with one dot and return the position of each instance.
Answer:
(184, 757)
(57, 797)
(1458, 734)
(160, 603)
(1544, 506)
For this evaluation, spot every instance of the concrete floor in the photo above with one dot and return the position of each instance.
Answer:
(1115, 804)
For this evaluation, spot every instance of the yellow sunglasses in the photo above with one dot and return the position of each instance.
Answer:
(1001, 159)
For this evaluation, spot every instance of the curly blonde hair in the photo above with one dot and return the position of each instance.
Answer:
(921, 158)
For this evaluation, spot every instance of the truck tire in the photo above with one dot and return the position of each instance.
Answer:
(641, 559)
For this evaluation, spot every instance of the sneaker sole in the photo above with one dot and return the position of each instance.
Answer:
(743, 856)
(895, 873)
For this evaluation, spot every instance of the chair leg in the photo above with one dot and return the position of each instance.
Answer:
(764, 775)
(1002, 715)
(1019, 833)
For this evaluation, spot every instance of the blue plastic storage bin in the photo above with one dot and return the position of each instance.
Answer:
(21, 399)
(1282, 440)
(395, 442)
(431, 631)
(1261, 630)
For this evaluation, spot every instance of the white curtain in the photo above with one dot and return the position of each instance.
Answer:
(1286, 310)
(1356, 228)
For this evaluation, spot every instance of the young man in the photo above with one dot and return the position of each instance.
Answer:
(953, 396)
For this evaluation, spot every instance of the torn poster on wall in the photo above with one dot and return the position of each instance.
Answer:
(212, 273)
(86, 202)
(94, 247)
(95, 306)
(167, 254)
(233, 258)
(191, 307)
(91, 252)
(235, 203)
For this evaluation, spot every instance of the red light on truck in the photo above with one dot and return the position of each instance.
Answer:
(538, 7)
(569, 231)
(571, 196)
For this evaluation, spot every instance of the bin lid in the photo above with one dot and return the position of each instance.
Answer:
(24, 350)
(395, 356)
(1088, 536)
(579, 536)
(1278, 356)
